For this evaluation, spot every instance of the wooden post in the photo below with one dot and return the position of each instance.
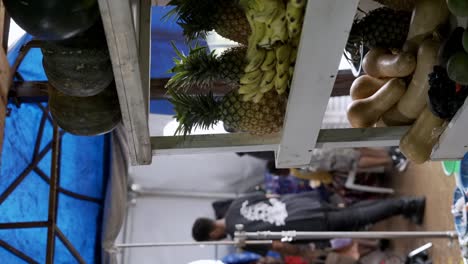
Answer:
(4, 77)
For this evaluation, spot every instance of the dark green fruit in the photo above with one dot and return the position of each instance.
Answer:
(457, 68)
(465, 40)
(53, 19)
(451, 46)
(458, 7)
(86, 116)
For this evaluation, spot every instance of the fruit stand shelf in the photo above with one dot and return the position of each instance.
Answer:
(326, 28)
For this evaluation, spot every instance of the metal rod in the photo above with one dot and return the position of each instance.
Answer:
(23, 174)
(327, 235)
(185, 244)
(54, 170)
(23, 225)
(66, 192)
(155, 192)
(69, 246)
(17, 252)
(39, 135)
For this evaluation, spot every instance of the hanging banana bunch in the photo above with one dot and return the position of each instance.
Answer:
(272, 46)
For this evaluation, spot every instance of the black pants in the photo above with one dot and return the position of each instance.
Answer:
(362, 214)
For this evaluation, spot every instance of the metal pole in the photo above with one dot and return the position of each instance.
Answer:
(294, 235)
(53, 195)
(185, 244)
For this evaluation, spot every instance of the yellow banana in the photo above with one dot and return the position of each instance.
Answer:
(257, 61)
(270, 61)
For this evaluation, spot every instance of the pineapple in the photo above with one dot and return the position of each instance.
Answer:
(382, 27)
(204, 111)
(404, 5)
(226, 17)
(202, 69)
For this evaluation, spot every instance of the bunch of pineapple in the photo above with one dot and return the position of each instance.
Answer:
(197, 17)
(252, 71)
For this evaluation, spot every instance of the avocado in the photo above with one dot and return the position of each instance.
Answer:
(458, 7)
(450, 46)
(457, 68)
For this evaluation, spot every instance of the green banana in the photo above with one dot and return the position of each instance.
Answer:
(293, 56)
(282, 54)
(267, 82)
(257, 97)
(279, 28)
(298, 3)
(270, 61)
(295, 16)
(281, 82)
(248, 97)
(258, 33)
(291, 71)
(256, 61)
(252, 77)
(264, 9)
(248, 88)
(282, 68)
(265, 42)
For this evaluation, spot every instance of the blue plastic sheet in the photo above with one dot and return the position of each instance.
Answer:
(31, 241)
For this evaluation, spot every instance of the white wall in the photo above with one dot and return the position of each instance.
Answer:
(163, 219)
(221, 172)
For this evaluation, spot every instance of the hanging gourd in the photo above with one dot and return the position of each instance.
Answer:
(53, 19)
(86, 116)
(80, 66)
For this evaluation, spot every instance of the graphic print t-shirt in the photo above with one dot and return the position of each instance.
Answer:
(300, 212)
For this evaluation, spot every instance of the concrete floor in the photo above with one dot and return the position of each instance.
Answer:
(426, 180)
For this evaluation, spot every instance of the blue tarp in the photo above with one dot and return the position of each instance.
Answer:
(84, 164)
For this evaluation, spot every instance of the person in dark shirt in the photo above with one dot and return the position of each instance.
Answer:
(303, 212)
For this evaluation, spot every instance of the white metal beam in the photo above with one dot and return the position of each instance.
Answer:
(238, 142)
(326, 28)
(453, 143)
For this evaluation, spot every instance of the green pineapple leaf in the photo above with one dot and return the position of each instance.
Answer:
(200, 69)
(194, 16)
(194, 111)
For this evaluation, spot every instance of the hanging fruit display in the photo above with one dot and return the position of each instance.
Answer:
(409, 50)
(53, 19)
(259, 72)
